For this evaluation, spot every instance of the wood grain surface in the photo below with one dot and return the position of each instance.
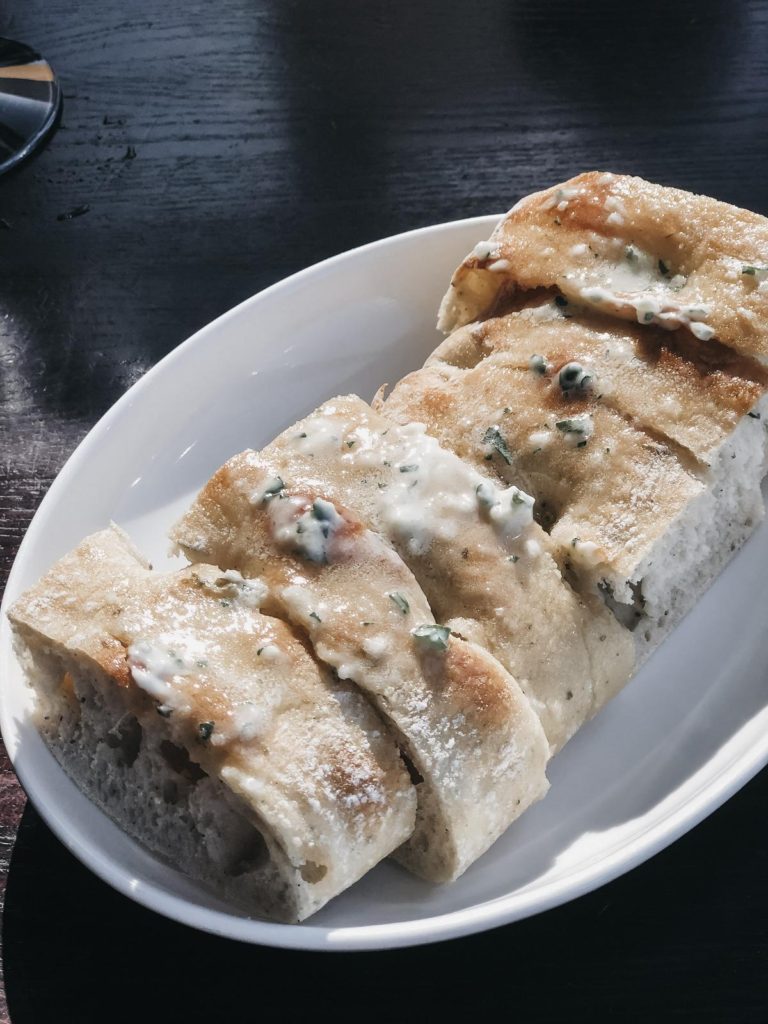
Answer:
(209, 149)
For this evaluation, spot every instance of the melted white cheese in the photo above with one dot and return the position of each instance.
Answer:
(154, 666)
(560, 198)
(498, 266)
(636, 282)
(309, 532)
(431, 493)
(483, 250)
(249, 593)
(251, 721)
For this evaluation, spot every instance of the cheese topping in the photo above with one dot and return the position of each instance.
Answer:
(154, 667)
(249, 593)
(307, 531)
(430, 493)
(641, 283)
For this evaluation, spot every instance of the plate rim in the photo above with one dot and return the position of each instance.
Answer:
(306, 936)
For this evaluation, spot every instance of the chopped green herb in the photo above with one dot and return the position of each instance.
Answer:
(571, 426)
(205, 731)
(315, 616)
(663, 268)
(575, 541)
(560, 300)
(631, 254)
(224, 602)
(400, 602)
(507, 409)
(517, 499)
(324, 511)
(258, 652)
(432, 636)
(367, 623)
(573, 375)
(382, 487)
(754, 271)
(350, 444)
(493, 437)
(754, 415)
(202, 663)
(408, 469)
(513, 558)
(273, 488)
(302, 434)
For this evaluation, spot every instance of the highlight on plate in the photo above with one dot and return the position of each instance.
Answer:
(395, 614)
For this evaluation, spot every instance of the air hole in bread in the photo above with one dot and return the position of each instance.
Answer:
(170, 792)
(629, 615)
(125, 737)
(545, 514)
(253, 853)
(312, 872)
(413, 772)
(179, 761)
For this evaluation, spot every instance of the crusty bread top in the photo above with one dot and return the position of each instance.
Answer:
(497, 587)
(631, 249)
(691, 392)
(240, 691)
(607, 490)
(463, 720)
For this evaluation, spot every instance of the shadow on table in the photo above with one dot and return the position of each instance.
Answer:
(76, 951)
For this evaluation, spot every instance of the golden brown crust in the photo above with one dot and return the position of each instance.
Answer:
(241, 692)
(572, 236)
(619, 492)
(457, 712)
(691, 392)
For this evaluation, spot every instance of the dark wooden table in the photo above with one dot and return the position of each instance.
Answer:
(217, 147)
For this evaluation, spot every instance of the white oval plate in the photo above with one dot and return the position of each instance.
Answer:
(687, 733)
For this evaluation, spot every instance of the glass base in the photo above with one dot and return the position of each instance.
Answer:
(30, 102)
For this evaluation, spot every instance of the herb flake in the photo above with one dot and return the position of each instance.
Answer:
(400, 602)
(432, 636)
(493, 437)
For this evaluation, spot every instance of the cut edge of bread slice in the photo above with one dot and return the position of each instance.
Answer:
(137, 751)
(151, 787)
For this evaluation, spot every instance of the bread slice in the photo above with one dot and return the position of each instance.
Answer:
(474, 550)
(477, 749)
(630, 249)
(207, 731)
(628, 516)
(692, 394)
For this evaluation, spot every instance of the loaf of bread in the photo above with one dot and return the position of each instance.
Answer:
(397, 612)
(475, 550)
(643, 444)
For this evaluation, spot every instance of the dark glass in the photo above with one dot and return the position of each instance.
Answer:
(30, 102)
